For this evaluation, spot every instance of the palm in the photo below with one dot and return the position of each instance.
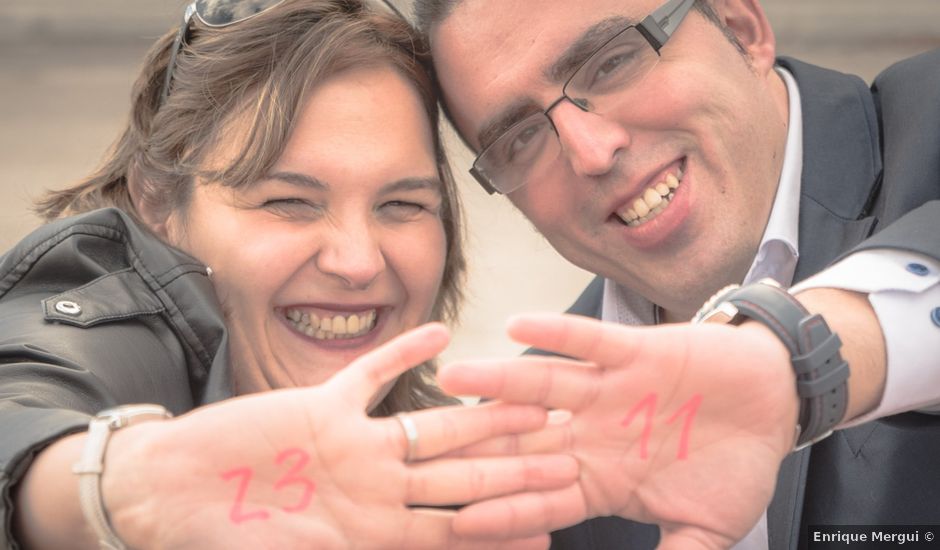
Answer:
(678, 425)
(347, 494)
(307, 468)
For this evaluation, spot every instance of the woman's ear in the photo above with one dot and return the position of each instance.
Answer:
(145, 210)
(746, 20)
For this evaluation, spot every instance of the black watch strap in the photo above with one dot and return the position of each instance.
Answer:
(821, 372)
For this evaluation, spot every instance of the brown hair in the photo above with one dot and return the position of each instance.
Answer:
(260, 69)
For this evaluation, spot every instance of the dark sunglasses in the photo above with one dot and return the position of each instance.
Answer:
(218, 14)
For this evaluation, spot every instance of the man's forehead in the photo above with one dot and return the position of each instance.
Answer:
(498, 59)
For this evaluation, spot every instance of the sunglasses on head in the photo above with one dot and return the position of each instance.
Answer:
(218, 14)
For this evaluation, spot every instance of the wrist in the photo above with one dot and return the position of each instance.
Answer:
(851, 316)
(47, 512)
(98, 458)
(813, 348)
(777, 360)
(126, 488)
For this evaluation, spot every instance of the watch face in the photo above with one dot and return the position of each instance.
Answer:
(712, 310)
(724, 313)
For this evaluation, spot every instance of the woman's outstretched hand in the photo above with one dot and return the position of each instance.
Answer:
(307, 468)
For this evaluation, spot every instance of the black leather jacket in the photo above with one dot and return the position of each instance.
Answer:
(95, 311)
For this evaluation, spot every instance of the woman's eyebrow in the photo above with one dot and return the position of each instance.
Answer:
(296, 178)
(404, 184)
(412, 184)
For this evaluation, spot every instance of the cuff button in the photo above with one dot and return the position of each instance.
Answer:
(918, 269)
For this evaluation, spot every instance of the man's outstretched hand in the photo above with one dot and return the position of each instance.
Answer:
(684, 426)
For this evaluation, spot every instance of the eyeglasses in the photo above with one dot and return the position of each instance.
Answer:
(212, 13)
(531, 146)
(218, 14)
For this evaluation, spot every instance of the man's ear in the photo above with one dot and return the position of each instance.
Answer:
(747, 21)
(146, 211)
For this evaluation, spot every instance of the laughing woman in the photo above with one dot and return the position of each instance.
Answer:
(258, 256)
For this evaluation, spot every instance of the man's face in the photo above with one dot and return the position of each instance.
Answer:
(704, 114)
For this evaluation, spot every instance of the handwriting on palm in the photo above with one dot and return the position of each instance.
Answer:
(306, 467)
(681, 425)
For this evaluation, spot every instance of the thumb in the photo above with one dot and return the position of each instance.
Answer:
(365, 375)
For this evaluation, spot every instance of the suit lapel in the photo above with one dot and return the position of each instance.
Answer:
(841, 164)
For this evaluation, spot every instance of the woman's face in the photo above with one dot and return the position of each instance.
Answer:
(340, 248)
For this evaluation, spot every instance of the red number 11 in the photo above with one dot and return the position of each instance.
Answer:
(648, 406)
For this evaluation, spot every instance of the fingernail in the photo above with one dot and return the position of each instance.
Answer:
(558, 416)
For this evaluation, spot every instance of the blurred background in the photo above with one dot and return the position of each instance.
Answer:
(66, 68)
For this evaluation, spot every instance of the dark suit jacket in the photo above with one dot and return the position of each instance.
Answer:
(871, 178)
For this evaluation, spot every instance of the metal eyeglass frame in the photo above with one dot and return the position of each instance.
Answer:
(656, 28)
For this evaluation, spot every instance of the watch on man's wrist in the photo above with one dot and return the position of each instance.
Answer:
(91, 465)
(821, 372)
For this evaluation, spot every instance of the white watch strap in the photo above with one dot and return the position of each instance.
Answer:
(89, 469)
(91, 465)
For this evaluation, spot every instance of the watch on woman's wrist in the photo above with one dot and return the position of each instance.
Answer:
(91, 465)
(821, 372)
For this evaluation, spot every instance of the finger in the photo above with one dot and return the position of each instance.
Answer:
(432, 530)
(448, 428)
(457, 481)
(368, 373)
(553, 438)
(552, 382)
(602, 343)
(522, 515)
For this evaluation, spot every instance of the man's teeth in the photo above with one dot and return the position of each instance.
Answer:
(653, 201)
(329, 327)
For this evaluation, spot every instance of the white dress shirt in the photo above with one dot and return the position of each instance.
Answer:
(903, 289)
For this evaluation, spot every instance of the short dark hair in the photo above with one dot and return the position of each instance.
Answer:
(431, 12)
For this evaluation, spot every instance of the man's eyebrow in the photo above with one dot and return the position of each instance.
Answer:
(512, 114)
(295, 178)
(572, 58)
(586, 44)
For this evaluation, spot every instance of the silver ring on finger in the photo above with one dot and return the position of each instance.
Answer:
(411, 435)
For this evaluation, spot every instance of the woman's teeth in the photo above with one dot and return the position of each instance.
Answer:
(328, 327)
(653, 201)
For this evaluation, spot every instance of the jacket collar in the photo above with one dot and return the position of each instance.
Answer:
(841, 164)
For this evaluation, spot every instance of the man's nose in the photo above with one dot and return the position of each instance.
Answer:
(590, 141)
(351, 253)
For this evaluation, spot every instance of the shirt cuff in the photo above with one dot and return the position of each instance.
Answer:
(904, 291)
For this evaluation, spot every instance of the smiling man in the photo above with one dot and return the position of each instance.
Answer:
(665, 147)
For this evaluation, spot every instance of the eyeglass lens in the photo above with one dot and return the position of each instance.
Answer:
(530, 146)
(219, 13)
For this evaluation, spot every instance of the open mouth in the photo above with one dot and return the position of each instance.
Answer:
(331, 326)
(652, 201)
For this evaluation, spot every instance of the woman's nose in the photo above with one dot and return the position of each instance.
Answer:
(352, 254)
